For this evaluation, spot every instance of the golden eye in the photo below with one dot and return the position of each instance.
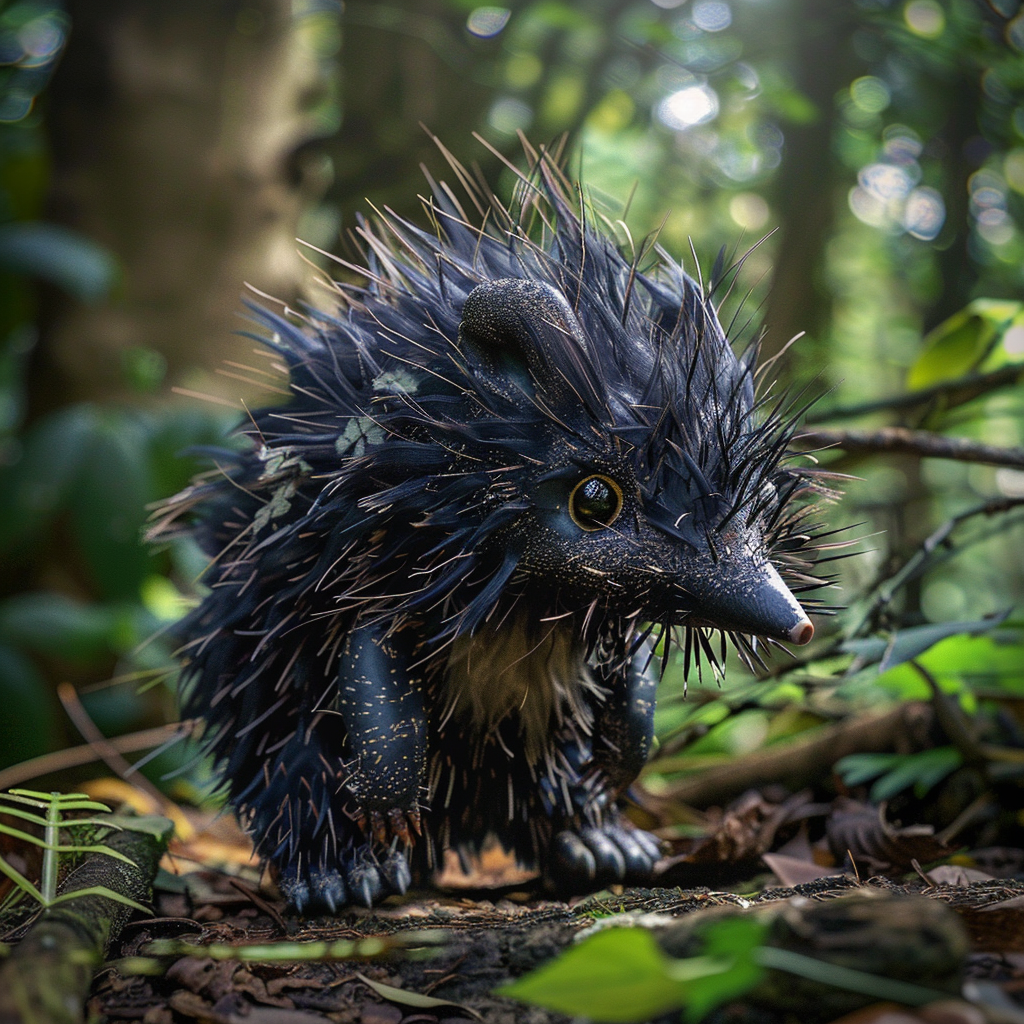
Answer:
(595, 502)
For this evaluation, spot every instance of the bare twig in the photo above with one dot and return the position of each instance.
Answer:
(932, 550)
(924, 443)
(72, 757)
(948, 394)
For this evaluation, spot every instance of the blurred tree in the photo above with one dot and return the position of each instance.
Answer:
(180, 140)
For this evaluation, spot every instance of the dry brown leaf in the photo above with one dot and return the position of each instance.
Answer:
(956, 874)
(792, 871)
(860, 830)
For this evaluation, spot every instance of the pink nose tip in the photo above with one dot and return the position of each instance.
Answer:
(802, 632)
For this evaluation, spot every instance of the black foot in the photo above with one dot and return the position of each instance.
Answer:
(588, 857)
(365, 877)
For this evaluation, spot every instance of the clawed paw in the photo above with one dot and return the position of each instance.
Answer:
(581, 858)
(386, 826)
(363, 876)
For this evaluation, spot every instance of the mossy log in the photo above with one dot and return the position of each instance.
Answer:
(47, 977)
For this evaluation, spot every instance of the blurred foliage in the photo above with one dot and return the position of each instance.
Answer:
(885, 140)
(75, 484)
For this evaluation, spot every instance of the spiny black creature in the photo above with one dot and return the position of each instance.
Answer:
(435, 570)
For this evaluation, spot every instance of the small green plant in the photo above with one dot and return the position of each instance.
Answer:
(50, 812)
(622, 974)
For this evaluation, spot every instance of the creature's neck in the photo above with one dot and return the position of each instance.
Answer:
(534, 672)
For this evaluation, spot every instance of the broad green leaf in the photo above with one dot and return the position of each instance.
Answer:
(59, 256)
(56, 625)
(174, 433)
(38, 485)
(922, 770)
(620, 974)
(897, 772)
(109, 506)
(961, 344)
(29, 711)
(908, 644)
(734, 941)
(858, 768)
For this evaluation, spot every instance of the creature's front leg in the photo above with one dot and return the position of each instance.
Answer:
(381, 702)
(604, 849)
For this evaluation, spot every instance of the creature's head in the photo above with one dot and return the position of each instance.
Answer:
(656, 489)
(501, 420)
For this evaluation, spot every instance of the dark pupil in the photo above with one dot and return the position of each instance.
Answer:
(594, 500)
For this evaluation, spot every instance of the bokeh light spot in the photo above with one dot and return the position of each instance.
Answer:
(509, 115)
(487, 22)
(1013, 169)
(925, 213)
(712, 15)
(41, 38)
(1015, 32)
(870, 94)
(1013, 341)
(684, 108)
(867, 207)
(925, 18)
(749, 211)
(885, 181)
(15, 105)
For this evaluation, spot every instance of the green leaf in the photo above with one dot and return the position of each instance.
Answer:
(20, 880)
(734, 941)
(59, 256)
(29, 711)
(897, 772)
(620, 974)
(154, 825)
(922, 771)
(101, 890)
(38, 485)
(960, 344)
(907, 644)
(855, 769)
(108, 506)
(56, 625)
(171, 435)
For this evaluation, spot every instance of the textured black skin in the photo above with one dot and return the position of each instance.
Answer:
(414, 495)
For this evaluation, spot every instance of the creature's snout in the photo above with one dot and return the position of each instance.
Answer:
(753, 599)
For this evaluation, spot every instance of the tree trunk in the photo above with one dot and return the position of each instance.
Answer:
(807, 182)
(176, 133)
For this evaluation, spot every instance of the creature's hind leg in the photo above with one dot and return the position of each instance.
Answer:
(599, 847)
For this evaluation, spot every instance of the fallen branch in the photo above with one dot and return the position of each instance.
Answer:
(800, 762)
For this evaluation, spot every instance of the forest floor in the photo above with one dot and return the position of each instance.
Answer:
(439, 957)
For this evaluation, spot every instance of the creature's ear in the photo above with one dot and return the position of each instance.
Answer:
(531, 320)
